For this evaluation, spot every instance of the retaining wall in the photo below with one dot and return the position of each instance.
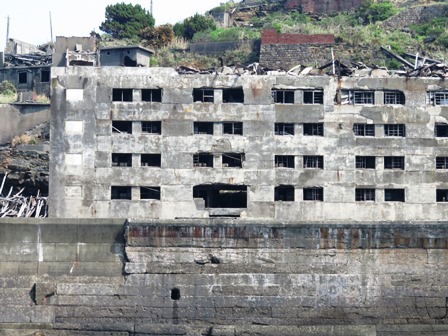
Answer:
(222, 277)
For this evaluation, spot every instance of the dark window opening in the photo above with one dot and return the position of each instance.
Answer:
(129, 62)
(284, 161)
(363, 97)
(45, 76)
(203, 95)
(365, 162)
(151, 160)
(152, 95)
(203, 160)
(313, 194)
(283, 96)
(23, 77)
(442, 195)
(122, 95)
(394, 98)
(150, 193)
(123, 193)
(284, 193)
(364, 194)
(80, 63)
(313, 161)
(203, 127)
(235, 128)
(222, 195)
(284, 129)
(121, 126)
(364, 129)
(441, 130)
(175, 294)
(395, 130)
(235, 95)
(121, 160)
(313, 97)
(313, 129)
(442, 162)
(152, 127)
(394, 162)
(233, 160)
(394, 195)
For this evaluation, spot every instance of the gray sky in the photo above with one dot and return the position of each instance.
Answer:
(30, 22)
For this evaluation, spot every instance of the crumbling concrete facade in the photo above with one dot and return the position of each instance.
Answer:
(150, 143)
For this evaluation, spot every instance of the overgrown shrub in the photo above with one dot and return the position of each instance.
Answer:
(371, 11)
(7, 88)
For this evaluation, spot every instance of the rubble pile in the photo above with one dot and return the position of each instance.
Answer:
(33, 59)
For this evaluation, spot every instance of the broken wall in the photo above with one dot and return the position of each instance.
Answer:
(34, 79)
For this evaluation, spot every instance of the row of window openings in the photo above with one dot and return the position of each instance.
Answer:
(361, 162)
(397, 130)
(236, 95)
(236, 128)
(44, 77)
(232, 160)
(284, 193)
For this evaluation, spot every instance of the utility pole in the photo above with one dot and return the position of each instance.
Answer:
(151, 9)
(7, 31)
(51, 29)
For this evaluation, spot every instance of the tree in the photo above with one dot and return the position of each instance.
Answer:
(157, 37)
(194, 24)
(371, 11)
(126, 20)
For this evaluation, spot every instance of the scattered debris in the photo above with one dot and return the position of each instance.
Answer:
(34, 59)
(21, 206)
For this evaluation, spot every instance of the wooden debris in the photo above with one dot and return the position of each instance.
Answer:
(21, 206)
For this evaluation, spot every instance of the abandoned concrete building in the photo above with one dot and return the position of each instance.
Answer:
(150, 143)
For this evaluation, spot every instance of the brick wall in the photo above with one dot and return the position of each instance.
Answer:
(270, 36)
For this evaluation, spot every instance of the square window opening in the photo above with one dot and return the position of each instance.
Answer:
(442, 162)
(203, 128)
(121, 193)
(365, 162)
(364, 195)
(313, 161)
(394, 98)
(150, 193)
(394, 195)
(441, 130)
(233, 95)
(152, 127)
(122, 95)
(203, 95)
(313, 194)
(45, 76)
(442, 195)
(284, 193)
(395, 130)
(284, 129)
(203, 160)
(364, 130)
(121, 160)
(235, 128)
(313, 129)
(313, 97)
(23, 77)
(284, 161)
(151, 160)
(152, 95)
(121, 126)
(222, 195)
(283, 96)
(232, 160)
(394, 162)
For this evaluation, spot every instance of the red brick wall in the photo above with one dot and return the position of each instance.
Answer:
(270, 36)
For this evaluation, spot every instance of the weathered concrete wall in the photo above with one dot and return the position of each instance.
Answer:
(220, 47)
(15, 123)
(33, 82)
(82, 143)
(416, 15)
(98, 277)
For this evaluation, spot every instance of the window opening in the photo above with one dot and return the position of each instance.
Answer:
(152, 127)
(313, 161)
(365, 162)
(123, 193)
(150, 193)
(233, 160)
(151, 160)
(235, 128)
(364, 129)
(394, 162)
(397, 130)
(203, 160)
(222, 195)
(122, 95)
(313, 194)
(284, 193)
(442, 162)
(442, 195)
(394, 98)
(394, 195)
(283, 96)
(23, 77)
(152, 95)
(313, 129)
(437, 98)
(313, 97)
(203, 127)
(121, 126)
(203, 95)
(284, 161)
(441, 130)
(363, 97)
(121, 160)
(284, 129)
(45, 76)
(234, 95)
(364, 194)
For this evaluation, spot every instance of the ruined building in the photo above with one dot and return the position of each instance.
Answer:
(151, 143)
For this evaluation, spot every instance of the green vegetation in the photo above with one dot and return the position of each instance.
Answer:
(227, 34)
(157, 37)
(436, 28)
(371, 12)
(8, 93)
(192, 25)
(126, 20)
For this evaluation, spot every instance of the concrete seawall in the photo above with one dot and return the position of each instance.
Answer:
(222, 277)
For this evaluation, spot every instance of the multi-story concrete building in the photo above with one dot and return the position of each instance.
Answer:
(151, 143)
